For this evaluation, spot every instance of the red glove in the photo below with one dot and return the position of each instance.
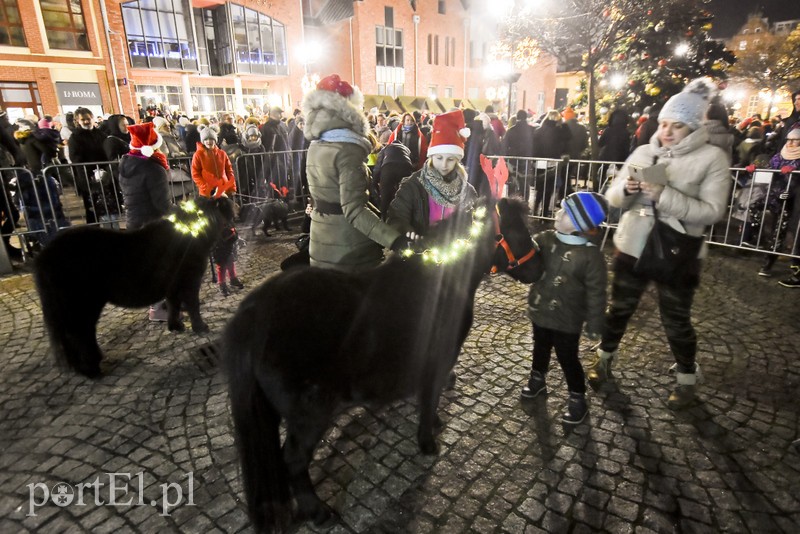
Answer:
(750, 168)
(786, 169)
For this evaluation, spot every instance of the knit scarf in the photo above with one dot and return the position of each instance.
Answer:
(446, 191)
(157, 156)
(790, 153)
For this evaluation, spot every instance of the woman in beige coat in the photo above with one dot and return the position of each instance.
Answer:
(695, 196)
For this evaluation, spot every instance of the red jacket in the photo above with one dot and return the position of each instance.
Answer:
(211, 169)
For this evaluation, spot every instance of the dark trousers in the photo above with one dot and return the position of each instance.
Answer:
(566, 345)
(674, 303)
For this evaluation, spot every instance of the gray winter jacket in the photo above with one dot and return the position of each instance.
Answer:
(572, 289)
(345, 233)
(695, 197)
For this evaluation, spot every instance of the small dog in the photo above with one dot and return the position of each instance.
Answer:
(273, 211)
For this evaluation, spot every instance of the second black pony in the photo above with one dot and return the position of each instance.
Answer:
(375, 337)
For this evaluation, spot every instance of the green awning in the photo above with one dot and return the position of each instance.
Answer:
(430, 105)
(447, 103)
(478, 104)
(372, 101)
(406, 103)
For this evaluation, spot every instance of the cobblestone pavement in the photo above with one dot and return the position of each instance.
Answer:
(159, 419)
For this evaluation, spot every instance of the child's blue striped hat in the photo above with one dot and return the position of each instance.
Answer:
(586, 210)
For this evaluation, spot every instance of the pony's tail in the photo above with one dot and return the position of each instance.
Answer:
(256, 424)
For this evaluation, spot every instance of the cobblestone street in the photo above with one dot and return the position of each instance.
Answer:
(157, 426)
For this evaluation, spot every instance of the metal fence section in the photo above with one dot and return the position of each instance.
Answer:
(759, 218)
(67, 194)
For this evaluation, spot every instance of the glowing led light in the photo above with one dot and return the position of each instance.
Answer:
(455, 250)
(194, 227)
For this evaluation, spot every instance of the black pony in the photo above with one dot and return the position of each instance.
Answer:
(375, 337)
(85, 268)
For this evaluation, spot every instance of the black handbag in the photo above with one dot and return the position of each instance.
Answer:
(669, 256)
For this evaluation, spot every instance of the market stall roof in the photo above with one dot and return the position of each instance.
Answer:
(406, 103)
(448, 103)
(478, 104)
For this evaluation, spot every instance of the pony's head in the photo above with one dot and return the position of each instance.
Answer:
(201, 218)
(516, 253)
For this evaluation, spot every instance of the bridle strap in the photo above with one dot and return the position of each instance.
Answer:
(513, 262)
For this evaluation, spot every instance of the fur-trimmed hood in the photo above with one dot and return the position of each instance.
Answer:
(326, 110)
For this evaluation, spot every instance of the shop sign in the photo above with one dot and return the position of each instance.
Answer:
(78, 94)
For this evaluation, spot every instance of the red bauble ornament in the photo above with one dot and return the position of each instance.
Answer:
(662, 62)
(603, 69)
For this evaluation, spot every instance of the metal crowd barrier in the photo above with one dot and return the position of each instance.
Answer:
(757, 219)
(88, 193)
(67, 194)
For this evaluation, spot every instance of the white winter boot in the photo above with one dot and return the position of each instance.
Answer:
(684, 393)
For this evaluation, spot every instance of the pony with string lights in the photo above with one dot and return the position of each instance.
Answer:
(85, 268)
(374, 337)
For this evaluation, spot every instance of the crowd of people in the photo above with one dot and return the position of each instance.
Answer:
(376, 182)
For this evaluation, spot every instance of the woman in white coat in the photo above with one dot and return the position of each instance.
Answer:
(695, 196)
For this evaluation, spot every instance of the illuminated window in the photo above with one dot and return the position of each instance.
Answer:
(63, 20)
(11, 33)
(259, 42)
(157, 35)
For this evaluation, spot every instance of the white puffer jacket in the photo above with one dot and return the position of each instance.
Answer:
(695, 197)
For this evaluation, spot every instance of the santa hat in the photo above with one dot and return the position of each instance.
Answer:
(335, 84)
(144, 138)
(448, 135)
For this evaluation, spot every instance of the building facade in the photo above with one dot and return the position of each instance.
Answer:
(746, 100)
(210, 56)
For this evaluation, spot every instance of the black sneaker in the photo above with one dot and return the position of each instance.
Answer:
(223, 288)
(792, 281)
(536, 386)
(235, 282)
(576, 409)
(765, 272)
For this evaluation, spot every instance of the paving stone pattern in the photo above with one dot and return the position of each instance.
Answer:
(161, 414)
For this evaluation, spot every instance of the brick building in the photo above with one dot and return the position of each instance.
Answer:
(207, 56)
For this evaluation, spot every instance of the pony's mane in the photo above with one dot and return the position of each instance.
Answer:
(517, 205)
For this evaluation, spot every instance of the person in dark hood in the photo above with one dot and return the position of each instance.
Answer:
(251, 166)
(118, 141)
(298, 144)
(275, 139)
(49, 138)
(394, 164)
(227, 131)
(409, 134)
(518, 143)
(551, 141)
(790, 121)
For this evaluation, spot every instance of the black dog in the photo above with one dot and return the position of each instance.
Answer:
(84, 268)
(273, 211)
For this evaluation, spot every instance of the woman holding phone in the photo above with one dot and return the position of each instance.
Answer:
(688, 181)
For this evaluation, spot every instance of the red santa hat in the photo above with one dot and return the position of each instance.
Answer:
(449, 133)
(144, 138)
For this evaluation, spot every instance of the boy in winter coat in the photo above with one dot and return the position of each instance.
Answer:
(572, 291)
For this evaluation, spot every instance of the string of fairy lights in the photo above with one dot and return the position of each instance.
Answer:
(455, 250)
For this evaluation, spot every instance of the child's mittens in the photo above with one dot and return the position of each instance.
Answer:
(786, 169)
(750, 168)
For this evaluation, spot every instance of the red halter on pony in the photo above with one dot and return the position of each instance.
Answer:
(498, 176)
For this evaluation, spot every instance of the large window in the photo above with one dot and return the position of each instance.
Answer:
(388, 47)
(157, 35)
(63, 20)
(11, 33)
(205, 100)
(19, 99)
(260, 42)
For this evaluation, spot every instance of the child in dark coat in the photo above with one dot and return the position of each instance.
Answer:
(571, 291)
(225, 251)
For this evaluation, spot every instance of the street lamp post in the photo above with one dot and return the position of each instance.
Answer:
(511, 78)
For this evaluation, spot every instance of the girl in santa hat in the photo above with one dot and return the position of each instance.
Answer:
(145, 187)
(434, 192)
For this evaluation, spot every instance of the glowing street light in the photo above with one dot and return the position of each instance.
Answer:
(682, 49)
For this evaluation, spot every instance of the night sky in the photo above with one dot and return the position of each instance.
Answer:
(730, 15)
